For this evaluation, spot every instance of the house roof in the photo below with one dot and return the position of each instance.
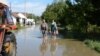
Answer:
(15, 14)
(19, 15)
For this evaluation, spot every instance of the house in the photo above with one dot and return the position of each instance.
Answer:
(30, 21)
(20, 18)
(14, 14)
(14, 20)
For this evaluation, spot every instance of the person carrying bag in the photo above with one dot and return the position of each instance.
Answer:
(54, 29)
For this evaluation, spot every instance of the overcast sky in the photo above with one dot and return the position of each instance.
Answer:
(32, 6)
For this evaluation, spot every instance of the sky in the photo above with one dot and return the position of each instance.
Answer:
(36, 7)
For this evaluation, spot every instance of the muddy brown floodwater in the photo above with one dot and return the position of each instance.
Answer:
(30, 43)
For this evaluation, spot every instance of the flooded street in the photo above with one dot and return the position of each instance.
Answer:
(30, 43)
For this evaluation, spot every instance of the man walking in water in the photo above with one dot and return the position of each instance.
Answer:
(54, 30)
(44, 28)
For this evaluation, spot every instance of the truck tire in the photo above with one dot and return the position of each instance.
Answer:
(9, 45)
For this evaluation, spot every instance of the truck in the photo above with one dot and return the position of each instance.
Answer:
(7, 37)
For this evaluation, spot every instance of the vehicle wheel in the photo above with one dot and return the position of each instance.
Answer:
(11, 36)
(9, 45)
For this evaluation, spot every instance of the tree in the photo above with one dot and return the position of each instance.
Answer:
(55, 11)
(77, 13)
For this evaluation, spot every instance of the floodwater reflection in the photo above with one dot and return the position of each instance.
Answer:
(48, 46)
(29, 44)
(53, 46)
(44, 46)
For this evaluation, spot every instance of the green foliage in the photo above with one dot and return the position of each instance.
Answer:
(77, 13)
(93, 44)
(32, 16)
(50, 16)
(55, 11)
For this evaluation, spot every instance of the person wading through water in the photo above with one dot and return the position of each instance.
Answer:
(44, 28)
(54, 29)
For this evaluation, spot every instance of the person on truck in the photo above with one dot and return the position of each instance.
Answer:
(6, 21)
(7, 37)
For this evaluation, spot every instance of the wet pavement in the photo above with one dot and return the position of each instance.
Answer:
(30, 43)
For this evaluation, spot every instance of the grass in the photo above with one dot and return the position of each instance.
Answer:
(93, 44)
(20, 27)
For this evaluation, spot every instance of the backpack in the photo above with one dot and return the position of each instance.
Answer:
(53, 27)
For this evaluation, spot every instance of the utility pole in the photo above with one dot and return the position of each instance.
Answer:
(10, 5)
(25, 8)
(32, 15)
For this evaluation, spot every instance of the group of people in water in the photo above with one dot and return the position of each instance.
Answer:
(53, 30)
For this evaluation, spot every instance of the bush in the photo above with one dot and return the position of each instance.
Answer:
(97, 48)
(93, 44)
